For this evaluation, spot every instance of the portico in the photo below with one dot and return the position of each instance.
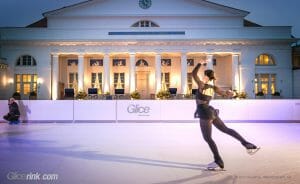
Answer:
(144, 72)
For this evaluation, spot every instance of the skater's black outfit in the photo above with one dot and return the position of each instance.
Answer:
(14, 113)
(208, 115)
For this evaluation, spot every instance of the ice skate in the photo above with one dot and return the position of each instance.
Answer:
(215, 166)
(251, 148)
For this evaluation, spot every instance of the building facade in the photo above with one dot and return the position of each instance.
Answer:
(144, 46)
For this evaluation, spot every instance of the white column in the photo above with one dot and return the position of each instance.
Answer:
(106, 84)
(209, 60)
(80, 72)
(132, 72)
(235, 73)
(183, 73)
(55, 74)
(158, 72)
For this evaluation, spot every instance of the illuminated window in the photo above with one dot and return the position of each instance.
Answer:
(26, 83)
(73, 80)
(190, 82)
(265, 83)
(96, 80)
(264, 59)
(190, 62)
(145, 23)
(296, 61)
(119, 62)
(119, 80)
(165, 80)
(26, 60)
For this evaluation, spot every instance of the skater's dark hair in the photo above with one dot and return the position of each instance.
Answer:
(210, 74)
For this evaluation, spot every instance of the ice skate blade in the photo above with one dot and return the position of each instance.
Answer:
(214, 169)
(253, 151)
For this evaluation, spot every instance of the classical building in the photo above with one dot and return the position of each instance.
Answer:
(144, 46)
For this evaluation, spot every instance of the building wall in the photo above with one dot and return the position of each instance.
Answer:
(43, 68)
(296, 84)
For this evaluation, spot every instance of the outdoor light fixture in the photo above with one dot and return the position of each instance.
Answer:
(10, 80)
(40, 81)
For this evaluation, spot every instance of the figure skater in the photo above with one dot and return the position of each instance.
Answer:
(208, 116)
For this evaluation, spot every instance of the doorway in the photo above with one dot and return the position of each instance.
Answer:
(142, 84)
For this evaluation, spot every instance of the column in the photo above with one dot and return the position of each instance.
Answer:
(106, 77)
(183, 73)
(55, 74)
(132, 72)
(80, 72)
(158, 72)
(235, 73)
(209, 60)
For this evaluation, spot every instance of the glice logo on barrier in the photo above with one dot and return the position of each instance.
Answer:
(137, 109)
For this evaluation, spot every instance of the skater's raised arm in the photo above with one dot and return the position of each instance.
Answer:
(195, 75)
(227, 93)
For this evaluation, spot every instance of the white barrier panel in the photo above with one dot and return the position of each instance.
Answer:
(255, 109)
(139, 110)
(296, 110)
(178, 110)
(3, 108)
(94, 110)
(45, 110)
(153, 110)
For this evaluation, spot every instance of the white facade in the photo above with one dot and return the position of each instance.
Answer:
(186, 29)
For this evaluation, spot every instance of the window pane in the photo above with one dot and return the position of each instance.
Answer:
(18, 78)
(116, 75)
(71, 77)
(100, 77)
(24, 78)
(18, 87)
(34, 78)
(34, 87)
(34, 62)
(273, 88)
(26, 88)
(93, 77)
(265, 87)
(122, 76)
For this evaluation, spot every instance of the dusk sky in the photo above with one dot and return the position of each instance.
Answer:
(19, 13)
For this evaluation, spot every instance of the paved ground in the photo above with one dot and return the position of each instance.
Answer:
(158, 153)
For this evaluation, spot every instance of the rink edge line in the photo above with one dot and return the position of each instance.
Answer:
(154, 121)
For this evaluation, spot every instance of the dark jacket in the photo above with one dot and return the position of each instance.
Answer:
(14, 109)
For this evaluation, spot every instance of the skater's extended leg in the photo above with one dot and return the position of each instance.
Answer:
(222, 127)
(206, 129)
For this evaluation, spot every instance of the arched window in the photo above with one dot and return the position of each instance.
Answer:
(264, 59)
(144, 23)
(26, 60)
(141, 62)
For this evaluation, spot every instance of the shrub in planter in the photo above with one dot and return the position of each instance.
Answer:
(239, 95)
(81, 95)
(32, 95)
(163, 95)
(260, 93)
(135, 95)
(276, 93)
(16, 95)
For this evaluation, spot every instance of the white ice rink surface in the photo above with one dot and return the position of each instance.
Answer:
(144, 153)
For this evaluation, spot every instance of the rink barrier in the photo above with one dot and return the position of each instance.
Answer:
(145, 111)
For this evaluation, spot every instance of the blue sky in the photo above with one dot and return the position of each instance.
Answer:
(19, 13)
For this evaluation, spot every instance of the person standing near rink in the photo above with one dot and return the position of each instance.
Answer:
(208, 116)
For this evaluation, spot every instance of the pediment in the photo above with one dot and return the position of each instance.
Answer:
(96, 8)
